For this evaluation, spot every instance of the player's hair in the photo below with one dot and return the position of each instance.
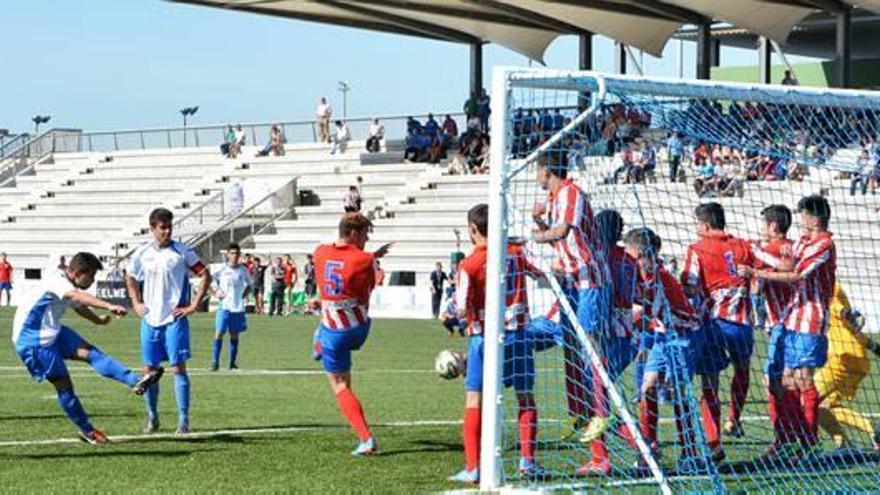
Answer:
(779, 215)
(644, 240)
(161, 215)
(554, 162)
(85, 263)
(234, 247)
(479, 216)
(712, 214)
(354, 223)
(610, 225)
(816, 206)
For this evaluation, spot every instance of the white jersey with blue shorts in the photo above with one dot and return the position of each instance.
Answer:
(233, 282)
(164, 273)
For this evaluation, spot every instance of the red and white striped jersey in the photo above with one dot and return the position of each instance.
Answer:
(710, 266)
(777, 295)
(470, 289)
(623, 270)
(517, 314)
(345, 276)
(816, 264)
(670, 307)
(579, 253)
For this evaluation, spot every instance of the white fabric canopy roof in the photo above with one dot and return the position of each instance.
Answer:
(529, 26)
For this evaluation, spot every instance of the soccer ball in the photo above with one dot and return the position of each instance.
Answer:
(449, 364)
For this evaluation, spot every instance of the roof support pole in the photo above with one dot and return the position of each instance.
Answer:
(476, 68)
(704, 51)
(716, 52)
(844, 48)
(619, 58)
(765, 60)
(585, 51)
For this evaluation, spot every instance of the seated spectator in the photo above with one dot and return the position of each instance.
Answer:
(228, 142)
(862, 176)
(412, 125)
(450, 129)
(777, 169)
(623, 162)
(451, 321)
(275, 144)
(431, 126)
(648, 160)
(458, 165)
(377, 133)
(435, 150)
(416, 146)
(341, 137)
(733, 178)
(704, 181)
(352, 200)
(240, 140)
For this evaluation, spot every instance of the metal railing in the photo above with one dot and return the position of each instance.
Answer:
(7, 147)
(20, 159)
(302, 131)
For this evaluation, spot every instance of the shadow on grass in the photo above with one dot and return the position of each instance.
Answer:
(422, 447)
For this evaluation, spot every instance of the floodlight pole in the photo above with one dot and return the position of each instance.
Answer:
(344, 88)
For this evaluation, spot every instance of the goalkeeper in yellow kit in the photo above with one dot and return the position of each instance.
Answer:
(848, 364)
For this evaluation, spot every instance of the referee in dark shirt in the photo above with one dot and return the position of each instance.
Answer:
(438, 278)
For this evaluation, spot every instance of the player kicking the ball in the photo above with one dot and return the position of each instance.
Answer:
(519, 364)
(43, 343)
(345, 275)
(164, 266)
(231, 286)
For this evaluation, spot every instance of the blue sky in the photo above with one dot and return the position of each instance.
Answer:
(123, 64)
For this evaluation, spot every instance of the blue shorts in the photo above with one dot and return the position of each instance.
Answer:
(646, 341)
(670, 355)
(227, 320)
(5, 285)
(47, 363)
(738, 340)
(710, 354)
(336, 346)
(775, 363)
(168, 342)
(618, 352)
(594, 309)
(544, 333)
(519, 363)
(803, 350)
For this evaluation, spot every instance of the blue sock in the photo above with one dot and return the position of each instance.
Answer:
(152, 399)
(181, 390)
(218, 346)
(108, 367)
(233, 351)
(74, 410)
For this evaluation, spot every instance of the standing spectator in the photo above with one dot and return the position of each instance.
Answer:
(276, 297)
(309, 273)
(236, 198)
(450, 129)
(116, 273)
(470, 107)
(377, 133)
(259, 276)
(674, 152)
(862, 175)
(341, 137)
(323, 114)
(352, 200)
(290, 278)
(249, 264)
(483, 110)
(380, 274)
(558, 120)
(62, 263)
(5, 279)
(789, 79)
(438, 278)
(240, 140)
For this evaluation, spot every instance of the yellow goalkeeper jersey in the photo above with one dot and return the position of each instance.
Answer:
(847, 348)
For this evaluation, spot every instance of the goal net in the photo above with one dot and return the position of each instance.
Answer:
(650, 358)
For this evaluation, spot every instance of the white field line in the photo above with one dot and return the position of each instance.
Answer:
(220, 433)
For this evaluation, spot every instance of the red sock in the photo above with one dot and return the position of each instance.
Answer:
(627, 435)
(471, 434)
(772, 408)
(599, 450)
(791, 416)
(528, 430)
(574, 386)
(711, 410)
(351, 409)
(739, 390)
(810, 403)
(648, 418)
(600, 401)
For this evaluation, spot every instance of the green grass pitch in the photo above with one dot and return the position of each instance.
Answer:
(295, 438)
